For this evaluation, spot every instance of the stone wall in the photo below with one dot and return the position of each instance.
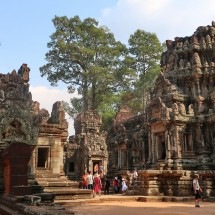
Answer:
(29, 132)
(178, 127)
(52, 139)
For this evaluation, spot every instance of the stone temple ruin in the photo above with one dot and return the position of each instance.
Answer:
(32, 141)
(175, 137)
(171, 141)
(87, 150)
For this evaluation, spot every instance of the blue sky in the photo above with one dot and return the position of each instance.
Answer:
(26, 26)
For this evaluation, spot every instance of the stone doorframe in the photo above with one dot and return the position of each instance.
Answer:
(102, 164)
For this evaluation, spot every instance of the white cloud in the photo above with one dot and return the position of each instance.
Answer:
(167, 18)
(47, 97)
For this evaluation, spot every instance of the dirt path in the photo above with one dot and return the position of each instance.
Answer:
(147, 208)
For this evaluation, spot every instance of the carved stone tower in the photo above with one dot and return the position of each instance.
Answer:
(19, 128)
(87, 150)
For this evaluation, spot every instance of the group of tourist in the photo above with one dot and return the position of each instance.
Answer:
(120, 184)
(87, 180)
(94, 183)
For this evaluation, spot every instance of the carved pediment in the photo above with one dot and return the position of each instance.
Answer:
(97, 145)
(14, 130)
(90, 121)
(22, 128)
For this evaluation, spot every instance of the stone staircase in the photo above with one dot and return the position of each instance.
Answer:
(63, 188)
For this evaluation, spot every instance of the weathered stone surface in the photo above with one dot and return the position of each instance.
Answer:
(29, 136)
(32, 199)
(87, 148)
(177, 131)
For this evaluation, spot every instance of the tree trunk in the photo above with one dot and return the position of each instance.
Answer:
(93, 99)
(85, 94)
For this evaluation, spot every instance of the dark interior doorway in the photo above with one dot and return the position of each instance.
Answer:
(42, 157)
(163, 150)
(96, 167)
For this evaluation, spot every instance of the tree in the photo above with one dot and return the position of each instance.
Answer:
(87, 58)
(145, 51)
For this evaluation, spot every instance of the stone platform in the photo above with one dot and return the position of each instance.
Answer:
(64, 189)
(123, 198)
(13, 206)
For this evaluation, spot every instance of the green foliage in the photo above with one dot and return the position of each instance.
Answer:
(108, 108)
(144, 55)
(105, 73)
(87, 58)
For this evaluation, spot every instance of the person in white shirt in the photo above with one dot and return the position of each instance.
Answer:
(197, 190)
(124, 187)
(134, 179)
(90, 181)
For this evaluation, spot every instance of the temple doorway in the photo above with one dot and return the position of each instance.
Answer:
(43, 157)
(97, 166)
(161, 147)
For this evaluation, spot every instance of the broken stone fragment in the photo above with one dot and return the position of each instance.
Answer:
(33, 200)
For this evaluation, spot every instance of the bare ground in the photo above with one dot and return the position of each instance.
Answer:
(140, 208)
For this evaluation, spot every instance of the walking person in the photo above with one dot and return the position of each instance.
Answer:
(119, 183)
(197, 190)
(97, 185)
(115, 185)
(124, 187)
(106, 186)
(134, 178)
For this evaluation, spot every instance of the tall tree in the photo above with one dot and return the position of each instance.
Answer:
(87, 58)
(145, 51)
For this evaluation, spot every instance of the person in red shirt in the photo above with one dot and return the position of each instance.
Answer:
(115, 185)
(85, 181)
(97, 185)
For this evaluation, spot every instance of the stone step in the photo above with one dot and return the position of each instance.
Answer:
(97, 199)
(72, 197)
(58, 184)
(58, 191)
(69, 194)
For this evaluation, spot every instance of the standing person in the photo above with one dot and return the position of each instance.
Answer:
(115, 185)
(197, 190)
(134, 178)
(85, 181)
(97, 185)
(124, 187)
(96, 168)
(90, 180)
(119, 183)
(106, 186)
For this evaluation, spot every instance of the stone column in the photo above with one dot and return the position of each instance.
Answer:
(90, 165)
(31, 166)
(178, 144)
(120, 158)
(211, 84)
(168, 149)
(118, 165)
(153, 147)
(156, 150)
(197, 87)
(149, 146)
